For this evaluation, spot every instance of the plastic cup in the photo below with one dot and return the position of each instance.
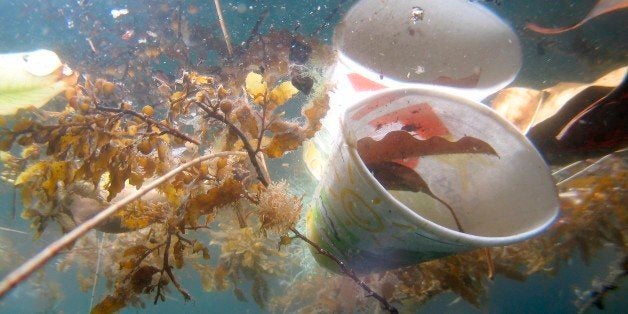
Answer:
(498, 199)
(451, 45)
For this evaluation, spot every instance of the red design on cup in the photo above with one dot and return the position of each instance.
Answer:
(418, 119)
(362, 84)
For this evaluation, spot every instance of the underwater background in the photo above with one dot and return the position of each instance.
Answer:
(583, 55)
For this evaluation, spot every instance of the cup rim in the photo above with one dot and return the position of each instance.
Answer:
(429, 226)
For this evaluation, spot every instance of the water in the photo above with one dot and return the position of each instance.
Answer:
(141, 49)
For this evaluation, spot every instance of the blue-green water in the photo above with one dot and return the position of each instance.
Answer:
(65, 26)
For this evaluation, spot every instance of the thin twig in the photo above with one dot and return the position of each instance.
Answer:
(101, 241)
(587, 168)
(489, 263)
(13, 230)
(327, 19)
(179, 18)
(168, 269)
(40, 259)
(13, 202)
(247, 144)
(147, 119)
(223, 27)
(254, 31)
(348, 272)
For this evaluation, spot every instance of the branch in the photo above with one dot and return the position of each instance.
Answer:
(149, 120)
(168, 269)
(348, 272)
(40, 259)
(247, 144)
(254, 31)
(223, 27)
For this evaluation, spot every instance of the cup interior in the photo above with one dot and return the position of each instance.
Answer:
(504, 193)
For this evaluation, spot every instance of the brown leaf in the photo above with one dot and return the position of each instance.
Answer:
(110, 304)
(601, 7)
(509, 271)
(590, 125)
(246, 117)
(283, 142)
(239, 294)
(135, 250)
(143, 277)
(525, 107)
(469, 81)
(519, 106)
(230, 191)
(394, 176)
(398, 145)
(178, 254)
(314, 112)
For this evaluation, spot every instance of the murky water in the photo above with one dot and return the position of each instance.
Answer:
(148, 51)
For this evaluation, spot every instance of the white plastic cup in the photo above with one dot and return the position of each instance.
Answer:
(458, 46)
(498, 199)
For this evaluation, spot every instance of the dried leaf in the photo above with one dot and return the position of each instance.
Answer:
(282, 93)
(142, 278)
(591, 125)
(256, 87)
(117, 179)
(248, 122)
(526, 107)
(571, 121)
(33, 171)
(220, 273)
(314, 112)
(239, 294)
(230, 191)
(394, 176)
(259, 290)
(398, 145)
(135, 250)
(6, 142)
(600, 8)
(198, 79)
(58, 172)
(282, 143)
(110, 304)
(65, 221)
(178, 254)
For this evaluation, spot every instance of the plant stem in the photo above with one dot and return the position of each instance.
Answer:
(40, 259)
(101, 241)
(247, 144)
(223, 27)
(348, 272)
(146, 119)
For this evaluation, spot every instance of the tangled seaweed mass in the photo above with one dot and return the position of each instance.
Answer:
(123, 125)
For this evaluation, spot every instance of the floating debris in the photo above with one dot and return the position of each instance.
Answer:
(416, 14)
(116, 13)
